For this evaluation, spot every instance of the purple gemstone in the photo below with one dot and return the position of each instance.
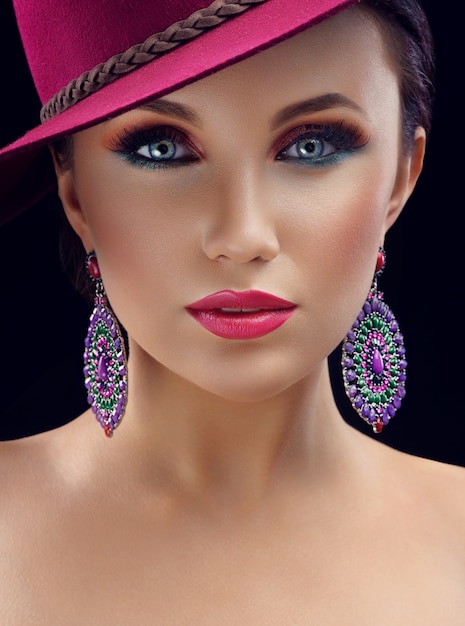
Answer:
(102, 371)
(352, 391)
(349, 347)
(358, 401)
(350, 376)
(401, 391)
(348, 362)
(377, 362)
(367, 307)
(366, 410)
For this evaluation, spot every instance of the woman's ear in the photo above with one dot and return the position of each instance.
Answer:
(70, 201)
(410, 166)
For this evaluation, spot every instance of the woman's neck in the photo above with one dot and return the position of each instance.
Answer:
(209, 445)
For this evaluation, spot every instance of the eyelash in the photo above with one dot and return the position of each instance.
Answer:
(343, 137)
(129, 142)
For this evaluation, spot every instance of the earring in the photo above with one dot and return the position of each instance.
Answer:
(373, 359)
(105, 366)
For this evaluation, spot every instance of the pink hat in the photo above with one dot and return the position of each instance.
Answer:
(93, 59)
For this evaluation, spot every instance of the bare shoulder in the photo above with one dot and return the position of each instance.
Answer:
(427, 496)
(38, 463)
(19, 453)
(440, 482)
(25, 463)
(434, 492)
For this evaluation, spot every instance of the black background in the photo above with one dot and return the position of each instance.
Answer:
(43, 321)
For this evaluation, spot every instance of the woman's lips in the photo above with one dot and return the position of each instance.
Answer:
(241, 315)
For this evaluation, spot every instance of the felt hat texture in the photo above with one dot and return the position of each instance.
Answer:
(66, 40)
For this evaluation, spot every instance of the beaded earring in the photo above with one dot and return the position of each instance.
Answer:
(105, 366)
(373, 359)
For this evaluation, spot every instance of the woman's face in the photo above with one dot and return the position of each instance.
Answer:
(281, 174)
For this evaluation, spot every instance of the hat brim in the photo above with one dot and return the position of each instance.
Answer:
(26, 172)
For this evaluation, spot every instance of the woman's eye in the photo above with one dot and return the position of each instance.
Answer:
(308, 148)
(321, 145)
(155, 147)
(164, 150)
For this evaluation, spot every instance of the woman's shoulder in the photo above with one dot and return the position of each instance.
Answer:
(25, 461)
(442, 481)
(424, 493)
(40, 461)
(434, 492)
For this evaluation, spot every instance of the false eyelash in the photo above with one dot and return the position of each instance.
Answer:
(341, 134)
(132, 140)
(128, 141)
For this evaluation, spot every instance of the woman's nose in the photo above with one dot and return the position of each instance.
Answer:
(241, 223)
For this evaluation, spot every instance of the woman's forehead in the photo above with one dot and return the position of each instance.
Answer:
(348, 40)
(345, 55)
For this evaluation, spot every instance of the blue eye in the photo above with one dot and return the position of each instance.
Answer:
(163, 150)
(321, 145)
(309, 148)
(156, 147)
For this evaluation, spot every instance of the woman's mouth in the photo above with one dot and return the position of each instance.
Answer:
(241, 315)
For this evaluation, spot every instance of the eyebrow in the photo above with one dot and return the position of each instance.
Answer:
(313, 105)
(174, 109)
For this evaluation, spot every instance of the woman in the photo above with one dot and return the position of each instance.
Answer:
(234, 216)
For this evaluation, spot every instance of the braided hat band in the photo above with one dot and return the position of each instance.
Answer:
(140, 54)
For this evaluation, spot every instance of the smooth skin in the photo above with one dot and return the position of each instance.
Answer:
(233, 492)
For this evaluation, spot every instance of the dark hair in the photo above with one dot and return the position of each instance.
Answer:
(410, 44)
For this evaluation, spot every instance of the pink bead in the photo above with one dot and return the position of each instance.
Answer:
(93, 268)
(380, 260)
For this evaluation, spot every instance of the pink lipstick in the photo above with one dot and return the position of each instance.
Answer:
(241, 315)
